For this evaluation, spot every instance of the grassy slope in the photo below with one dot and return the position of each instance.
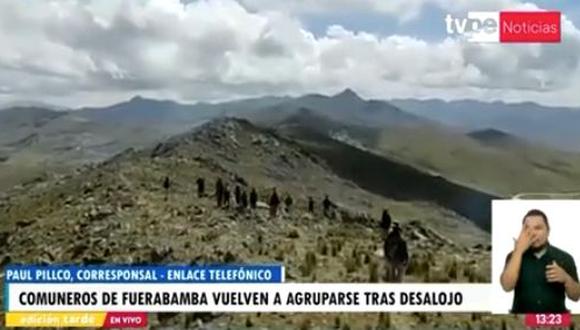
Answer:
(502, 170)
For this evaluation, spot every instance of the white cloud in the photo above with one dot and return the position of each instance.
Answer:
(402, 9)
(79, 52)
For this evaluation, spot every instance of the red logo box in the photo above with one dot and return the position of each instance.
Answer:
(537, 26)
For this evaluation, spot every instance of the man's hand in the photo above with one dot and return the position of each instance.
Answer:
(524, 241)
(555, 274)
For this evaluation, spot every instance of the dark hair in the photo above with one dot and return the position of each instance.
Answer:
(537, 213)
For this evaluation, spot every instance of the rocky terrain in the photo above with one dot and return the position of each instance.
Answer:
(117, 211)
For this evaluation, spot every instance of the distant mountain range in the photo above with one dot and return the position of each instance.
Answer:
(346, 107)
(420, 133)
(31, 104)
(557, 127)
(491, 161)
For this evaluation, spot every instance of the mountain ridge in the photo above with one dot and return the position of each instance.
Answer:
(555, 127)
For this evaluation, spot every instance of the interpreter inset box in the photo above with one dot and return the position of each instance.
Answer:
(535, 256)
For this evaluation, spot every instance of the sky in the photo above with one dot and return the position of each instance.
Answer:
(78, 53)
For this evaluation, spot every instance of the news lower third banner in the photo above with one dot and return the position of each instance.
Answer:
(145, 274)
(114, 295)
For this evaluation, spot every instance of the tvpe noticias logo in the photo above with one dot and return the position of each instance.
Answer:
(507, 26)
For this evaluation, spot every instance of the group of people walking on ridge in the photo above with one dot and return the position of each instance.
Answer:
(394, 245)
(242, 200)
